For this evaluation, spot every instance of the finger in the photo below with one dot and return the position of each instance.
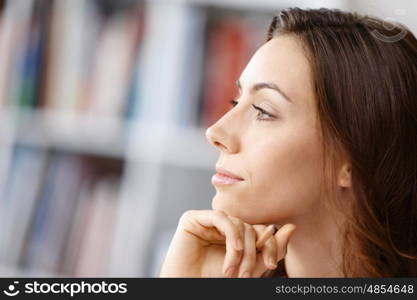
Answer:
(233, 257)
(218, 219)
(249, 252)
(269, 254)
(268, 233)
(234, 240)
(201, 223)
(260, 266)
(259, 230)
(231, 261)
(282, 238)
(269, 249)
(239, 224)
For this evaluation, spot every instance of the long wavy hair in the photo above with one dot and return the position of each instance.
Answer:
(365, 74)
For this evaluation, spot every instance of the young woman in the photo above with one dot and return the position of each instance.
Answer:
(321, 142)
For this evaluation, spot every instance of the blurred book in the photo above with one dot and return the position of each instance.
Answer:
(58, 211)
(14, 30)
(31, 66)
(72, 56)
(99, 223)
(227, 52)
(74, 31)
(190, 72)
(230, 42)
(54, 213)
(73, 244)
(18, 202)
(113, 64)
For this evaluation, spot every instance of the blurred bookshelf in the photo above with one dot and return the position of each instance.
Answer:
(104, 106)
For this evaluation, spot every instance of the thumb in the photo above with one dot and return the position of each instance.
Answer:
(282, 238)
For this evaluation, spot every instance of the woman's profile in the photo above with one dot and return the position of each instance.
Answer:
(322, 142)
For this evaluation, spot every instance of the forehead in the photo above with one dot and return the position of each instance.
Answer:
(282, 61)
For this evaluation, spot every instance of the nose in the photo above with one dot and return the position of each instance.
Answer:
(220, 138)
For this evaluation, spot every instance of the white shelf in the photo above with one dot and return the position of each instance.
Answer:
(176, 146)
(113, 137)
(83, 133)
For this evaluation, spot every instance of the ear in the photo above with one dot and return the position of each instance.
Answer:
(345, 176)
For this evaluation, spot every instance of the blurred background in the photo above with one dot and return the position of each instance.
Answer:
(104, 106)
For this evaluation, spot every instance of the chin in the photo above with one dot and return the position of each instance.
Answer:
(215, 203)
(224, 205)
(249, 215)
(233, 209)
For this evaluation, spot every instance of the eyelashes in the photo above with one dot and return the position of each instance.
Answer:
(261, 112)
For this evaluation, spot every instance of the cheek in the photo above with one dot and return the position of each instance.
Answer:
(284, 182)
(288, 179)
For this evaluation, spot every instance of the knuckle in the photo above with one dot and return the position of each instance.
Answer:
(231, 224)
(219, 213)
(218, 216)
(238, 223)
(250, 253)
(187, 215)
(258, 230)
(235, 220)
(250, 229)
(234, 256)
(259, 227)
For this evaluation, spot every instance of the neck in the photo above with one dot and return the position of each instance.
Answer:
(314, 249)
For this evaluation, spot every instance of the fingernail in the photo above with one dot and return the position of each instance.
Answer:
(246, 274)
(292, 227)
(239, 244)
(230, 271)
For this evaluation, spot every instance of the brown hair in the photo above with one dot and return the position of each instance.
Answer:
(365, 72)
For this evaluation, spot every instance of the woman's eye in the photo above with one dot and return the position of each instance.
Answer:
(261, 112)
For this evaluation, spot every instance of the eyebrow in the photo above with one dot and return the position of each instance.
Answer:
(266, 85)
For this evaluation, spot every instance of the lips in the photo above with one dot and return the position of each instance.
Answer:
(225, 177)
(227, 174)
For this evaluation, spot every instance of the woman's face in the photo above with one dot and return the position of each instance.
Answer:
(278, 156)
